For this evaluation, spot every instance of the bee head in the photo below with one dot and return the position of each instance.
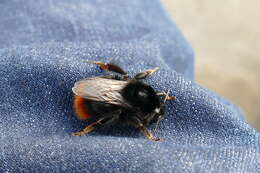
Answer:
(141, 96)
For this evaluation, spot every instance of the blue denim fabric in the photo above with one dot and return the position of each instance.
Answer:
(44, 46)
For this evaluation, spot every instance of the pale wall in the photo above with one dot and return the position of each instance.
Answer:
(225, 35)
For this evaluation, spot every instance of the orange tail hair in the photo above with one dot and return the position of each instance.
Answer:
(80, 108)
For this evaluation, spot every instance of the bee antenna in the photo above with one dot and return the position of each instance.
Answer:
(157, 125)
(167, 96)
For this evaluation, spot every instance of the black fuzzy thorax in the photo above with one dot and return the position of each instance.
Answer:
(141, 96)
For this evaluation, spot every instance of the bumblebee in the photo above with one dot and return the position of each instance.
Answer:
(118, 99)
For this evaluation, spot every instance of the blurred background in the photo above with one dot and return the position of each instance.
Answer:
(225, 35)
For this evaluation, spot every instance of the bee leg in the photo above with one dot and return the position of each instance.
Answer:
(137, 123)
(116, 77)
(109, 67)
(102, 122)
(146, 73)
(88, 129)
(166, 96)
(147, 133)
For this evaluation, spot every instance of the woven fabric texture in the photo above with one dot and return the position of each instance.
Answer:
(44, 46)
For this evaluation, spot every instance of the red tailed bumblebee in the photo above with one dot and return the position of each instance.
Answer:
(118, 99)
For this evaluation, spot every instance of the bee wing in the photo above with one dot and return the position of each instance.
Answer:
(101, 90)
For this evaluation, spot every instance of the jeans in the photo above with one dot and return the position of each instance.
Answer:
(44, 46)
